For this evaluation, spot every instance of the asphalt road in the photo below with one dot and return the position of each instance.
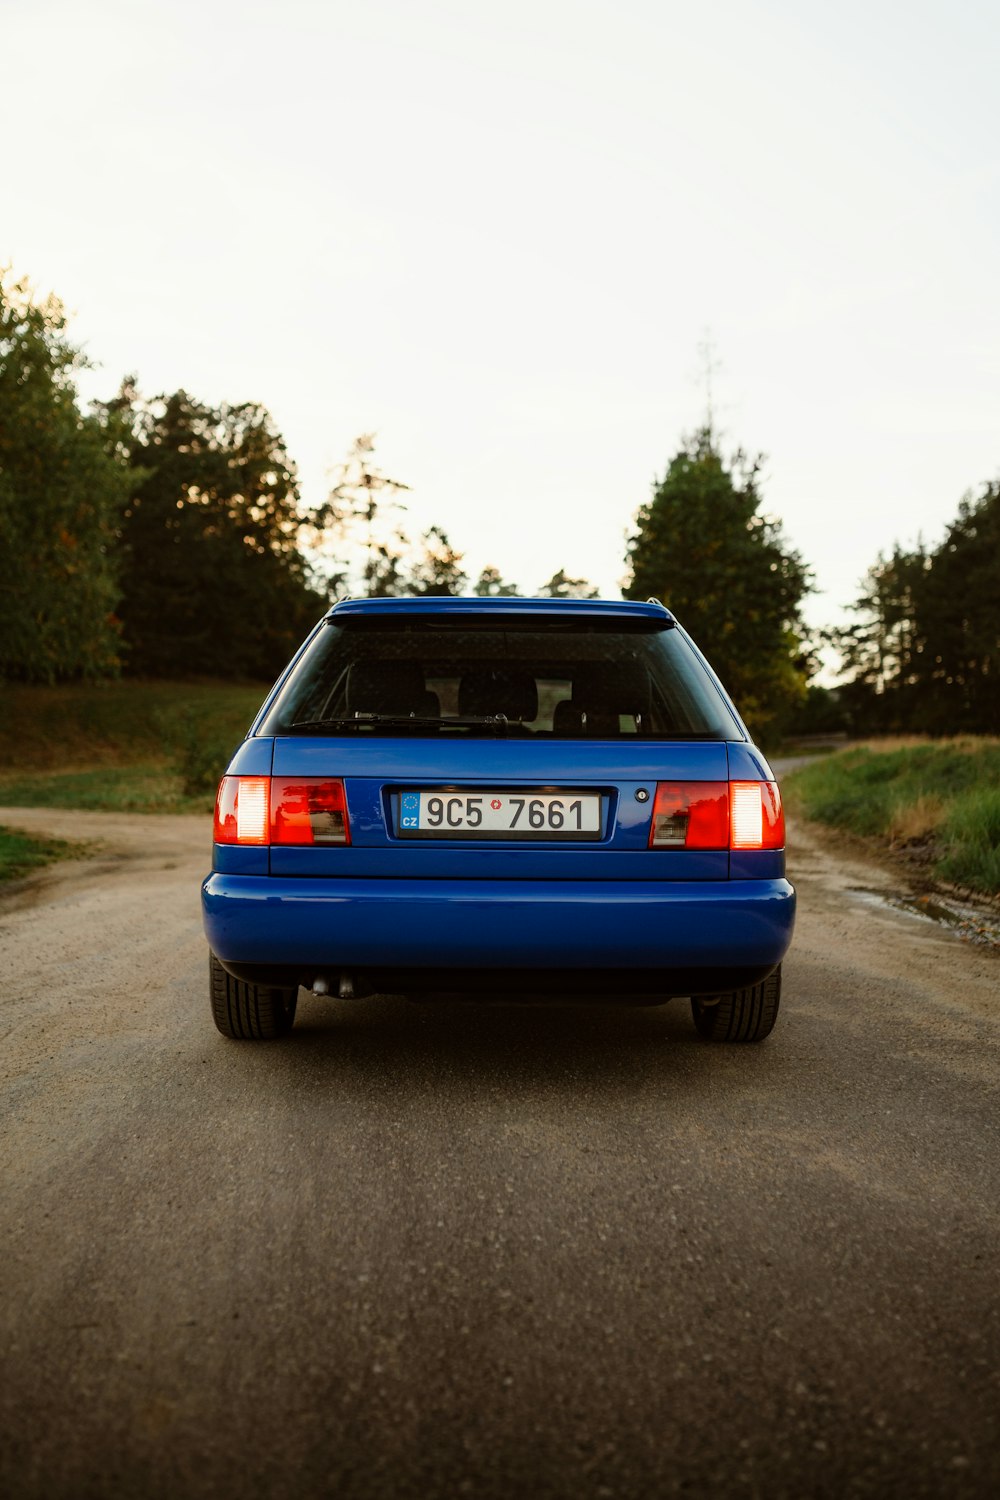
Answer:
(451, 1250)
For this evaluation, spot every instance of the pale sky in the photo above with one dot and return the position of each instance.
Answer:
(495, 235)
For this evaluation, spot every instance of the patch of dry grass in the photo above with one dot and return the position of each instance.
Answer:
(916, 822)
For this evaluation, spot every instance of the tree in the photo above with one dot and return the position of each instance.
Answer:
(362, 516)
(957, 623)
(879, 647)
(490, 585)
(362, 513)
(562, 586)
(924, 653)
(438, 569)
(62, 490)
(214, 581)
(703, 548)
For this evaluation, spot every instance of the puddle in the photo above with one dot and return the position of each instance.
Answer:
(968, 922)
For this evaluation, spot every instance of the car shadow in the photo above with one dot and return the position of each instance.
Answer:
(395, 1048)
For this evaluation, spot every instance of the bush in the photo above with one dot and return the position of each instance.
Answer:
(201, 752)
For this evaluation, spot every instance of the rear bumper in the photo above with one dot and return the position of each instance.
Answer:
(684, 937)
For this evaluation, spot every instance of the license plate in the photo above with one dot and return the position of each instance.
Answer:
(509, 815)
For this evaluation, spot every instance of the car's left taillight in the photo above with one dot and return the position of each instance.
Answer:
(281, 810)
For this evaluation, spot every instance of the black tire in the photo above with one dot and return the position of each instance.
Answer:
(249, 1012)
(745, 1016)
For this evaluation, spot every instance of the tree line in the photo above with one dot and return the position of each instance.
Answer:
(923, 652)
(166, 537)
(920, 654)
(163, 536)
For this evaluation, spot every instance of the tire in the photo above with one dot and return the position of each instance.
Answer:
(744, 1016)
(249, 1012)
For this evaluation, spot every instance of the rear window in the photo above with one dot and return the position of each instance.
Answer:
(572, 679)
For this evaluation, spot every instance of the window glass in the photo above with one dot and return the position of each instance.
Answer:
(572, 679)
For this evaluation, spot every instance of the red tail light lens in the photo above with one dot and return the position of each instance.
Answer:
(281, 810)
(690, 815)
(717, 815)
(308, 810)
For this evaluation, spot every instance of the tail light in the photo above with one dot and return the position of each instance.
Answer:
(281, 810)
(308, 810)
(717, 815)
(690, 815)
(241, 810)
(758, 819)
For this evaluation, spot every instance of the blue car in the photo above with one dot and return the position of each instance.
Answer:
(513, 797)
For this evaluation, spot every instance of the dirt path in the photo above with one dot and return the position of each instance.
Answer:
(446, 1250)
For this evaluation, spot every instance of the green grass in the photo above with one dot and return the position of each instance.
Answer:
(971, 834)
(145, 788)
(20, 853)
(943, 796)
(123, 746)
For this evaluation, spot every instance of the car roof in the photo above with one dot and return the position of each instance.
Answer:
(606, 609)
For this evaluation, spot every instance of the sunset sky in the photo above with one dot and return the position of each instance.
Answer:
(497, 234)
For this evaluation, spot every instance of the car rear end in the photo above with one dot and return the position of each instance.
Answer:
(499, 796)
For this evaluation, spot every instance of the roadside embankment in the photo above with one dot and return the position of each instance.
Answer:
(936, 804)
(124, 746)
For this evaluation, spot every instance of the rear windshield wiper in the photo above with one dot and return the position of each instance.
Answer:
(496, 722)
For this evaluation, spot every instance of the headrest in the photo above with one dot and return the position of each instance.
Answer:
(497, 691)
(387, 687)
(567, 719)
(614, 687)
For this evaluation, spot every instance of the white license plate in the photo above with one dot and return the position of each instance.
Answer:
(518, 815)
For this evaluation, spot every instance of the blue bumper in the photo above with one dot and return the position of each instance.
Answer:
(724, 928)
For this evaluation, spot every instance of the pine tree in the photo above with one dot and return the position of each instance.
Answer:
(703, 548)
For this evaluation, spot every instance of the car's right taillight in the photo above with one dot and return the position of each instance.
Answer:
(717, 815)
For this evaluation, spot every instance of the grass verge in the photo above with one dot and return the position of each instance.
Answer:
(20, 853)
(938, 801)
(121, 746)
(150, 787)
